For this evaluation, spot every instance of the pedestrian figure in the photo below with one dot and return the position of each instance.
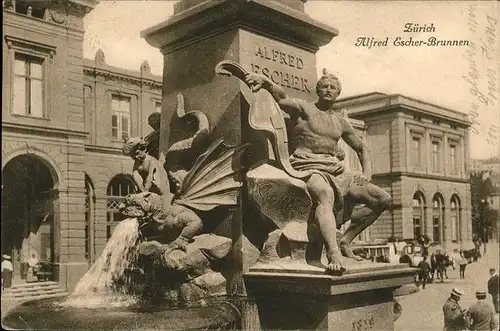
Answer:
(425, 243)
(462, 262)
(7, 270)
(33, 268)
(433, 264)
(448, 259)
(477, 246)
(441, 264)
(481, 314)
(493, 289)
(423, 273)
(454, 315)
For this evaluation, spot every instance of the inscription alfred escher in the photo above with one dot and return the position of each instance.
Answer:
(400, 41)
(286, 77)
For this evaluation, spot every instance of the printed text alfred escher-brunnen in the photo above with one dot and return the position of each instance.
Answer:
(410, 41)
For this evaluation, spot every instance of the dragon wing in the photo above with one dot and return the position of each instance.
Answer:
(214, 180)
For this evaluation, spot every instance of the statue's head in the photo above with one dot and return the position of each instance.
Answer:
(328, 86)
(135, 147)
(154, 120)
(141, 204)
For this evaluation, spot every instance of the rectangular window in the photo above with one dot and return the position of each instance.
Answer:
(30, 8)
(120, 117)
(417, 227)
(87, 242)
(453, 223)
(435, 228)
(28, 85)
(158, 107)
(435, 156)
(416, 152)
(453, 159)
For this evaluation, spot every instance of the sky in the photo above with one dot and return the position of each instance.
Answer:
(463, 78)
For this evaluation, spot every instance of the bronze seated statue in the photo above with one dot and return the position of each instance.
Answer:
(308, 194)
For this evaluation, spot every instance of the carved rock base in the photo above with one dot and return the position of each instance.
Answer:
(186, 275)
(206, 285)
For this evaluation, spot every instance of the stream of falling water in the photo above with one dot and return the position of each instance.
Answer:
(97, 288)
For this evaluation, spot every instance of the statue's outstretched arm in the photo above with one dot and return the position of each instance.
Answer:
(256, 81)
(290, 106)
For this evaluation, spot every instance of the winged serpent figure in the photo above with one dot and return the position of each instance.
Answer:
(173, 216)
(214, 180)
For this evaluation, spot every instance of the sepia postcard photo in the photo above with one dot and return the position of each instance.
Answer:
(250, 165)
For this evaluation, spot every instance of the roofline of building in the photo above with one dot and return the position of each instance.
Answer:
(136, 76)
(360, 96)
(393, 100)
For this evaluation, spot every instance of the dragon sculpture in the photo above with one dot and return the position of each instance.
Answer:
(174, 218)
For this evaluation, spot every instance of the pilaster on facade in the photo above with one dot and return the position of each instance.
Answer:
(399, 161)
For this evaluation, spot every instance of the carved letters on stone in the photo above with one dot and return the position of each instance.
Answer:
(283, 77)
(280, 197)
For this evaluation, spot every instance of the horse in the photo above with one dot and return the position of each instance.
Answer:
(472, 254)
(439, 263)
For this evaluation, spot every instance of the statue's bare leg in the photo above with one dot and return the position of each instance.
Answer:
(376, 200)
(314, 245)
(323, 199)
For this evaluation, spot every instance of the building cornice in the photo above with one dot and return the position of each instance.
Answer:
(134, 77)
(371, 103)
(103, 149)
(29, 23)
(399, 174)
(42, 130)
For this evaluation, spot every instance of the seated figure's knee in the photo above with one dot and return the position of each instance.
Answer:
(385, 200)
(320, 190)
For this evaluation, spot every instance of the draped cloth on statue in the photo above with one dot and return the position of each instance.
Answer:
(332, 171)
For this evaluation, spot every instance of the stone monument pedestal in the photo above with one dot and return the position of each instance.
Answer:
(275, 38)
(292, 295)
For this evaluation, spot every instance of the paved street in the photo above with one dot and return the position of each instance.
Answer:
(422, 311)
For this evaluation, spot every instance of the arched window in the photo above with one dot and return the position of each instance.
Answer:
(119, 187)
(437, 218)
(89, 218)
(418, 214)
(455, 218)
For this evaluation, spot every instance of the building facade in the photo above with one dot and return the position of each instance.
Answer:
(420, 155)
(63, 119)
